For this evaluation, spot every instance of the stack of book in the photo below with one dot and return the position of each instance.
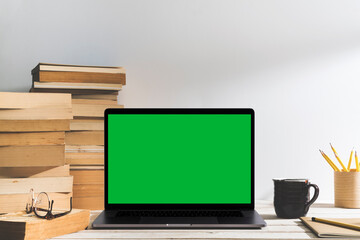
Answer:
(93, 90)
(32, 148)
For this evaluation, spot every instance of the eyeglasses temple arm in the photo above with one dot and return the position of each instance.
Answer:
(51, 206)
(64, 213)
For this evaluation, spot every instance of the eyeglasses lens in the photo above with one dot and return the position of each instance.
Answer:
(42, 204)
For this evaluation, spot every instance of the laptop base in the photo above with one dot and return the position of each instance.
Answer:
(109, 220)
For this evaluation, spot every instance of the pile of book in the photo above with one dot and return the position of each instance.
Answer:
(93, 89)
(32, 148)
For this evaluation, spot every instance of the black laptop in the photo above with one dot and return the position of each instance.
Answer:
(179, 168)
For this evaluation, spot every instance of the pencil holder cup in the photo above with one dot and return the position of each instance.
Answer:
(347, 189)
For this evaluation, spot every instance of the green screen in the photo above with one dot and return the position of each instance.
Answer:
(179, 158)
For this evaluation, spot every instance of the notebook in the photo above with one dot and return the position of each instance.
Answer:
(330, 231)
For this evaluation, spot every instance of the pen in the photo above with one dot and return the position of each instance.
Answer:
(337, 157)
(335, 223)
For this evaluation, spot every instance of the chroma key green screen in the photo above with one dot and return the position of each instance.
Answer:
(179, 158)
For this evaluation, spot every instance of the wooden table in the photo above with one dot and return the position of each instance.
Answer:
(276, 228)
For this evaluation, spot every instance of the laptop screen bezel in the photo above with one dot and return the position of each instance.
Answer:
(178, 111)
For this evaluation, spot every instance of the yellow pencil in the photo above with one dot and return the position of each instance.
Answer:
(349, 164)
(331, 162)
(357, 162)
(337, 157)
(336, 169)
(336, 223)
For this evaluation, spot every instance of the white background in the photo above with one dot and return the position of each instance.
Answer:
(297, 63)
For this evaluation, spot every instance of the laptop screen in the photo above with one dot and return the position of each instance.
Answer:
(179, 158)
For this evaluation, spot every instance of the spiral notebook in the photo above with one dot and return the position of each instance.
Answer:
(324, 230)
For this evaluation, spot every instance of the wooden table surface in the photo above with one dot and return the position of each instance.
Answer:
(276, 228)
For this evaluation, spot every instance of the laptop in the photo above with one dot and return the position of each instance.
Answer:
(179, 168)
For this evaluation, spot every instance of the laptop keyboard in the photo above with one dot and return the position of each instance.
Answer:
(180, 213)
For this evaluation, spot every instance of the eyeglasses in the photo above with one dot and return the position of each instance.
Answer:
(42, 207)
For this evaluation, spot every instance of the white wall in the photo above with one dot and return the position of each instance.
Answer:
(297, 63)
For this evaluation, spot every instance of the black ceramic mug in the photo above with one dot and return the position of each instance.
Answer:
(292, 197)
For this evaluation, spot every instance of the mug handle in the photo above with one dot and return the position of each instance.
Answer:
(316, 194)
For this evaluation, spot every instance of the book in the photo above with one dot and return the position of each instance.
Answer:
(89, 118)
(92, 203)
(34, 106)
(86, 124)
(32, 138)
(33, 172)
(79, 77)
(88, 176)
(76, 91)
(10, 203)
(76, 68)
(112, 97)
(15, 100)
(36, 113)
(88, 190)
(29, 227)
(84, 138)
(92, 110)
(86, 167)
(32, 156)
(94, 101)
(331, 231)
(84, 158)
(34, 125)
(85, 86)
(79, 148)
(44, 184)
